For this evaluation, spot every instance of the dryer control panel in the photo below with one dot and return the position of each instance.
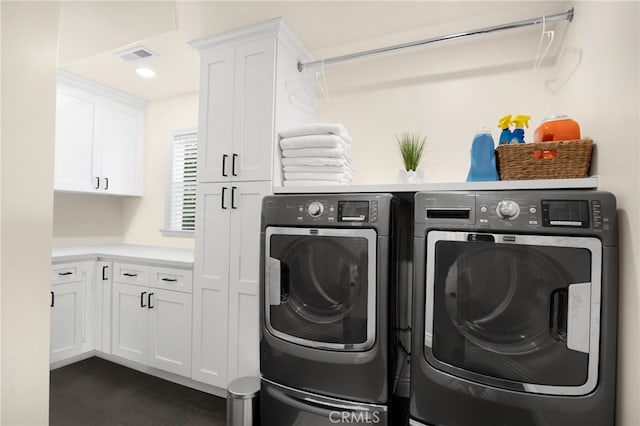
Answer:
(329, 210)
(518, 211)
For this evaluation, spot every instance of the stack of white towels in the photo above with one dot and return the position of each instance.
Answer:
(316, 154)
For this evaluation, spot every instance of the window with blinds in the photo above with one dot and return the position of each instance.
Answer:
(181, 203)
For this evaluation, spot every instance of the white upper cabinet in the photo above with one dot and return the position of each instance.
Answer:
(99, 139)
(238, 126)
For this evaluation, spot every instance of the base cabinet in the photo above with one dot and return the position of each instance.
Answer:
(70, 309)
(152, 326)
(66, 320)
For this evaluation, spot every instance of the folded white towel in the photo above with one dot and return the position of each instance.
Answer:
(316, 152)
(317, 129)
(319, 169)
(317, 176)
(314, 141)
(315, 161)
(313, 183)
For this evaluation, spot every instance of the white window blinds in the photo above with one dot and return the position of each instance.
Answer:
(182, 200)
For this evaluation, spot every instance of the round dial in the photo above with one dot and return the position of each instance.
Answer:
(315, 209)
(508, 209)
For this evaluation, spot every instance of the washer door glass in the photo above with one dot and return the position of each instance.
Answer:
(320, 291)
(501, 311)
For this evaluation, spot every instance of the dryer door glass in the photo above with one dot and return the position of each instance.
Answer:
(512, 311)
(321, 287)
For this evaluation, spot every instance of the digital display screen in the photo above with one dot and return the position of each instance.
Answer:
(565, 213)
(353, 211)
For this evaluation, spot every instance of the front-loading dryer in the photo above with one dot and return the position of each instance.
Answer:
(514, 308)
(327, 308)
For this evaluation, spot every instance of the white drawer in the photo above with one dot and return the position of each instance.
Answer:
(129, 273)
(66, 273)
(171, 279)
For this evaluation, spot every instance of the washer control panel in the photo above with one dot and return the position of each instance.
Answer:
(318, 211)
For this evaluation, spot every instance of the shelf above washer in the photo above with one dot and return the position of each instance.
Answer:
(585, 183)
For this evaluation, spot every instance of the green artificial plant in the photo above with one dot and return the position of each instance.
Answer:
(412, 148)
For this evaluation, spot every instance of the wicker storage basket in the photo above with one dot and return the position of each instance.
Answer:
(571, 159)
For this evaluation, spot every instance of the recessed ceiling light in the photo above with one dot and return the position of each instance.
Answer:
(145, 72)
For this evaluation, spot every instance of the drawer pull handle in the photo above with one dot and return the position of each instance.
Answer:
(149, 300)
(127, 274)
(97, 182)
(142, 305)
(171, 280)
(65, 273)
(53, 299)
(106, 184)
(104, 275)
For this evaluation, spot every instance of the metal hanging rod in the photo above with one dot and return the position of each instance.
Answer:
(568, 15)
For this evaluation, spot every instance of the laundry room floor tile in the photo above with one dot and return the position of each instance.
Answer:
(101, 393)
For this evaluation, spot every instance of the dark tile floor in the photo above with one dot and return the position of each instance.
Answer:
(97, 392)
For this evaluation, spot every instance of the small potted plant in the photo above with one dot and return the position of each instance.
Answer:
(411, 148)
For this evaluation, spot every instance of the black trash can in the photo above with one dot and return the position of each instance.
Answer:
(242, 402)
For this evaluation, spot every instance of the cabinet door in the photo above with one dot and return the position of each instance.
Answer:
(66, 320)
(77, 127)
(244, 279)
(121, 160)
(170, 331)
(210, 286)
(253, 106)
(216, 115)
(130, 322)
(104, 272)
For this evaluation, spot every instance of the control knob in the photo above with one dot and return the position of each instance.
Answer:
(315, 209)
(508, 209)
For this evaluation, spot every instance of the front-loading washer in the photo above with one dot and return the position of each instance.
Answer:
(327, 308)
(515, 306)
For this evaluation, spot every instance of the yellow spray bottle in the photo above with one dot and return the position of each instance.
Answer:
(521, 121)
(505, 136)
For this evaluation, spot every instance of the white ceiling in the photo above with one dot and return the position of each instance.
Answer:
(91, 33)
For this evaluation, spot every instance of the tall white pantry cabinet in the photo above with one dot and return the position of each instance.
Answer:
(248, 93)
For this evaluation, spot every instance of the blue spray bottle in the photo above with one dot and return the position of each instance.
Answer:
(483, 157)
(521, 121)
(505, 135)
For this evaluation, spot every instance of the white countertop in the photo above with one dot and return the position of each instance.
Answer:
(124, 252)
(585, 183)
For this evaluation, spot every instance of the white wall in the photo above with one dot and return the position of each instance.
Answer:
(29, 53)
(444, 92)
(144, 217)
